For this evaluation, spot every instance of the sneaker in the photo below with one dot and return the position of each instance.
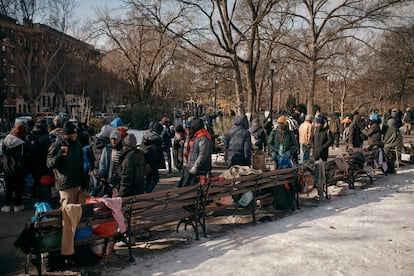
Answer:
(18, 208)
(6, 209)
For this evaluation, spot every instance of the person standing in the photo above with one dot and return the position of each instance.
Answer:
(408, 120)
(282, 142)
(108, 165)
(66, 160)
(335, 129)
(131, 168)
(354, 137)
(38, 143)
(189, 134)
(238, 143)
(305, 135)
(151, 146)
(199, 158)
(321, 140)
(258, 136)
(166, 135)
(178, 147)
(15, 168)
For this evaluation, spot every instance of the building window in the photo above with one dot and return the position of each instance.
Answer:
(3, 48)
(12, 72)
(12, 92)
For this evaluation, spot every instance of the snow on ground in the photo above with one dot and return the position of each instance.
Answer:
(369, 231)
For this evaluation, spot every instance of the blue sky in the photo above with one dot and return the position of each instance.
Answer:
(87, 7)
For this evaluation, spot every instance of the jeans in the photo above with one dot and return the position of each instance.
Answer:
(167, 157)
(304, 152)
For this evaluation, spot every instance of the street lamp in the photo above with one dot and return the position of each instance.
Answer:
(215, 94)
(272, 65)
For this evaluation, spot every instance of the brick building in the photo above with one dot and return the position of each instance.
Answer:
(42, 69)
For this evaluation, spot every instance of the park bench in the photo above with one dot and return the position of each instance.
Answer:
(157, 209)
(358, 161)
(47, 233)
(259, 185)
(141, 212)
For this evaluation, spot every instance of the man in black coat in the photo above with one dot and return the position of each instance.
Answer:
(321, 140)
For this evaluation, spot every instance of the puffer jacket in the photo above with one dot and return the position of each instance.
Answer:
(68, 169)
(151, 146)
(131, 172)
(199, 157)
(238, 143)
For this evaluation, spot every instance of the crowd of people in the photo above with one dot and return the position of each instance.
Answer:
(62, 154)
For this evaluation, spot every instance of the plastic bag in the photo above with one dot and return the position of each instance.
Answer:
(39, 208)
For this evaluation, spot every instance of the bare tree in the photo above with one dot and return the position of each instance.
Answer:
(231, 29)
(144, 50)
(321, 23)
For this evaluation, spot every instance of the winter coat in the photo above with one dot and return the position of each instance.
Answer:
(321, 141)
(151, 146)
(38, 143)
(286, 138)
(258, 138)
(354, 133)
(105, 159)
(408, 117)
(166, 135)
(393, 139)
(68, 169)
(238, 143)
(199, 157)
(371, 131)
(131, 172)
(14, 156)
(305, 132)
(178, 150)
(335, 125)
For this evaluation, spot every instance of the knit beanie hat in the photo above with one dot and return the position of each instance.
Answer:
(130, 141)
(197, 124)
(69, 128)
(19, 131)
(391, 123)
(308, 117)
(158, 128)
(282, 120)
(115, 135)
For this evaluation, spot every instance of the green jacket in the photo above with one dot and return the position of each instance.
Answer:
(288, 142)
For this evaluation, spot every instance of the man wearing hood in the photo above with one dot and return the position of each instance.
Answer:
(151, 146)
(131, 168)
(238, 143)
(15, 167)
(393, 139)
